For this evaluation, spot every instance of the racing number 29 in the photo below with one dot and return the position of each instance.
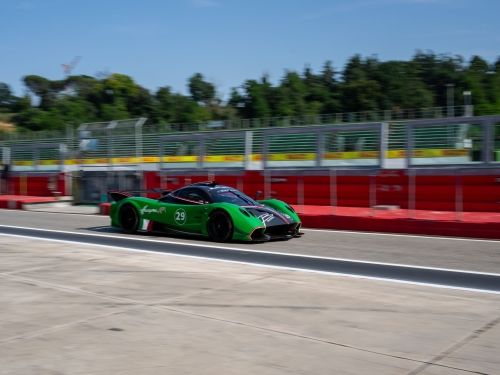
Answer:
(180, 216)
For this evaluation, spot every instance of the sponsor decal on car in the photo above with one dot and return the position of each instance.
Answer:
(147, 210)
(267, 217)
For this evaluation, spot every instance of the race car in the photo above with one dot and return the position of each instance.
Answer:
(206, 209)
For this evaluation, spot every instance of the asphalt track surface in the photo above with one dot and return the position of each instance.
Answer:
(456, 263)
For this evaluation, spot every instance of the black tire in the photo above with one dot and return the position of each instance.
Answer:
(220, 226)
(129, 219)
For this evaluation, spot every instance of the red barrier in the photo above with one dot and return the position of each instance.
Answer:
(403, 225)
(391, 187)
(38, 185)
(479, 193)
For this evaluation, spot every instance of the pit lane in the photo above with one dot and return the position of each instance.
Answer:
(453, 263)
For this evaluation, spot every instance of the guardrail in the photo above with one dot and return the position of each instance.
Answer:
(473, 141)
(465, 141)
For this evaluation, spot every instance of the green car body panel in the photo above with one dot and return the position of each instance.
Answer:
(157, 215)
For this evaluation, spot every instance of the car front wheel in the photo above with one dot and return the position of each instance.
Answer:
(220, 227)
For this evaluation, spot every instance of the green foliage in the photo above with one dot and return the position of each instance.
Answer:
(364, 84)
(256, 102)
(7, 100)
(201, 91)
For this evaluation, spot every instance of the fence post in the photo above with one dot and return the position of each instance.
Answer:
(458, 197)
(488, 143)
(23, 184)
(411, 193)
(163, 180)
(239, 183)
(300, 190)
(211, 176)
(138, 144)
(248, 149)
(320, 147)
(202, 152)
(333, 190)
(265, 150)
(267, 183)
(109, 129)
(409, 145)
(383, 143)
(372, 193)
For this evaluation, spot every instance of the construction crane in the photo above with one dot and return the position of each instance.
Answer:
(68, 68)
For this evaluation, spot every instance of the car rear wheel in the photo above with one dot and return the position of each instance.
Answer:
(129, 219)
(220, 227)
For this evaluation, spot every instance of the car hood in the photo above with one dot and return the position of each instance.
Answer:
(269, 216)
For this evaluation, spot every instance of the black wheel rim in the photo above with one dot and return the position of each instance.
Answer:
(129, 219)
(219, 228)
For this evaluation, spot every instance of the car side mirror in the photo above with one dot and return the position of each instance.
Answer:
(258, 195)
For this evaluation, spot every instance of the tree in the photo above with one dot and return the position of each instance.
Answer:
(476, 80)
(437, 72)
(163, 106)
(21, 104)
(365, 84)
(7, 100)
(74, 110)
(292, 94)
(200, 90)
(401, 87)
(493, 88)
(256, 104)
(322, 90)
(117, 110)
(118, 95)
(186, 110)
(237, 101)
(40, 87)
(37, 119)
(360, 92)
(140, 104)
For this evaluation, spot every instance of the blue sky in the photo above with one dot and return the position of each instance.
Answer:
(162, 43)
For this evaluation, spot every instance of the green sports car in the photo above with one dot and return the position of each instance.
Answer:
(218, 212)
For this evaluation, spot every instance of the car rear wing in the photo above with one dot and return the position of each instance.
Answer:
(118, 195)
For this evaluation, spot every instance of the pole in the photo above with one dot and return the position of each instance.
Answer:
(411, 193)
(372, 193)
(333, 190)
(248, 150)
(468, 108)
(300, 190)
(450, 98)
(267, 184)
(458, 197)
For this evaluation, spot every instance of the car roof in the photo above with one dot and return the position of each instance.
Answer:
(209, 185)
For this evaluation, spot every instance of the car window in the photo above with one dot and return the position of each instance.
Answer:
(169, 198)
(192, 196)
(195, 197)
(233, 196)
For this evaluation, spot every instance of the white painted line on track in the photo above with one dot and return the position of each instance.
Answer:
(54, 213)
(354, 276)
(137, 238)
(399, 235)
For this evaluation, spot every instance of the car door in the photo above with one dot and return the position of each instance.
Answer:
(187, 215)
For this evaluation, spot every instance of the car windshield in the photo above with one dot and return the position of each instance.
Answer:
(233, 196)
